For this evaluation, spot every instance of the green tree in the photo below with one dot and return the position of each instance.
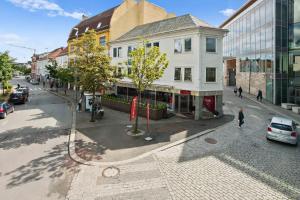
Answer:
(6, 63)
(148, 65)
(65, 75)
(92, 62)
(52, 69)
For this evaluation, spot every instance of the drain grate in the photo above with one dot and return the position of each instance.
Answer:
(211, 141)
(110, 172)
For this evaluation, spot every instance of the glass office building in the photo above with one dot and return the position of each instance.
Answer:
(262, 49)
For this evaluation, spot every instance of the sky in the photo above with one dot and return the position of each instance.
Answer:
(44, 25)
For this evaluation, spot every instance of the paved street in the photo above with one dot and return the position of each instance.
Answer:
(33, 148)
(241, 165)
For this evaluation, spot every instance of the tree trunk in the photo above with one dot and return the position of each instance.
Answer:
(137, 113)
(93, 110)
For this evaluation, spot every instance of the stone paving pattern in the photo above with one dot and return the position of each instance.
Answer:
(242, 165)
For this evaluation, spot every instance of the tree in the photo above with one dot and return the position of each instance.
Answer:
(65, 75)
(52, 69)
(92, 62)
(148, 65)
(5, 69)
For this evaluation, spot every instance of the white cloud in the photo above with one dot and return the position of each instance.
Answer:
(52, 8)
(11, 38)
(228, 12)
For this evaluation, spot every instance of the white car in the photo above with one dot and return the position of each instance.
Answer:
(283, 130)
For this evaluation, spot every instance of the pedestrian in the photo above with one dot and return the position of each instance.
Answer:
(241, 118)
(79, 104)
(240, 92)
(44, 83)
(235, 90)
(18, 86)
(259, 96)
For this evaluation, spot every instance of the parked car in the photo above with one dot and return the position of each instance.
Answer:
(24, 89)
(283, 130)
(17, 98)
(34, 82)
(5, 109)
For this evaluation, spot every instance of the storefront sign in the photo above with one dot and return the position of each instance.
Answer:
(185, 92)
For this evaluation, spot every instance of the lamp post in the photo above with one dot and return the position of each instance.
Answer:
(75, 75)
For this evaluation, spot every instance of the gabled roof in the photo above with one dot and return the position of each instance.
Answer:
(167, 25)
(63, 52)
(92, 23)
(53, 54)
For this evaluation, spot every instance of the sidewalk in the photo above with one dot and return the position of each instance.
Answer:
(275, 109)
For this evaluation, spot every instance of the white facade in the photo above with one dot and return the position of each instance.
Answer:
(62, 61)
(41, 64)
(198, 59)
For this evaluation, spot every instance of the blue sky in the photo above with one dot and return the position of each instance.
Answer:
(45, 24)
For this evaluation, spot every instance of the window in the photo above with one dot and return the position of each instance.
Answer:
(120, 52)
(156, 44)
(187, 44)
(102, 41)
(187, 74)
(148, 45)
(177, 76)
(99, 25)
(115, 52)
(86, 29)
(211, 45)
(178, 46)
(210, 74)
(129, 51)
(119, 71)
(129, 70)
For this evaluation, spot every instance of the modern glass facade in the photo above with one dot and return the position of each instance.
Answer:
(264, 38)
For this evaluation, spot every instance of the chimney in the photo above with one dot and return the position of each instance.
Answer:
(84, 17)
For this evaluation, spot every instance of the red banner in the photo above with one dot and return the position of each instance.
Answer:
(148, 113)
(133, 109)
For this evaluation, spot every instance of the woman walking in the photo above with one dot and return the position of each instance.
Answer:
(241, 118)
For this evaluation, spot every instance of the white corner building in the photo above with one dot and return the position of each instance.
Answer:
(193, 82)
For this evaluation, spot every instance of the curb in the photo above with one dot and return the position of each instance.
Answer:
(71, 144)
(270, 109)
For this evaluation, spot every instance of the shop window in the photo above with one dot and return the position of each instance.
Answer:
(210, 75)
(211, 45)
(187, 74)
(177, 76)
(187, 44)
(156, 44)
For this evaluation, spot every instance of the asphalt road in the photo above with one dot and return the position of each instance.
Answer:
(34, 163)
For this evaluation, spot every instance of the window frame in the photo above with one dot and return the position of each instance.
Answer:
(206, 71)
(185, 40)
(119, 52)
(206, 42)
(180, 73)
(104, 40)
(115, 52)
(181, 46)
(191, 74)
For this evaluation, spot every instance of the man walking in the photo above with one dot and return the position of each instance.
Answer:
(240, 92)
(259, 96)
(241, 118)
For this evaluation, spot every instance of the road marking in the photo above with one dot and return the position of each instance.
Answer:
(255, 107)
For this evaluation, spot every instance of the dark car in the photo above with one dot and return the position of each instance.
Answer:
(17, 98)
(5, 109)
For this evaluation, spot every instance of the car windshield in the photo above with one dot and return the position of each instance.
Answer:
(281, 127)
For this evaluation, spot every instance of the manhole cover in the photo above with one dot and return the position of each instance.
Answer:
(211, 141)
(110, 172)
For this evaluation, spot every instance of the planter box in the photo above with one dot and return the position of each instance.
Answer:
(296, 109)
(125, 107)
(287, 106)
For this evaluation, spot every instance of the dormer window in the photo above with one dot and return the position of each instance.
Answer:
(99, 25)
(86, 29)
(76, 33)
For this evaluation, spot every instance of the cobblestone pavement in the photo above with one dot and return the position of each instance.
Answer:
(241, 165)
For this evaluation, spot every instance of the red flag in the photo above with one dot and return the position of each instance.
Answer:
(133, 109)
(148, 113)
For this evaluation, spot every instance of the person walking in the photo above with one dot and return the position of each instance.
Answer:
(235, 90)
(241, 118)
(240, 92)
(79, 105)
(44, 83)
(259, 96)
